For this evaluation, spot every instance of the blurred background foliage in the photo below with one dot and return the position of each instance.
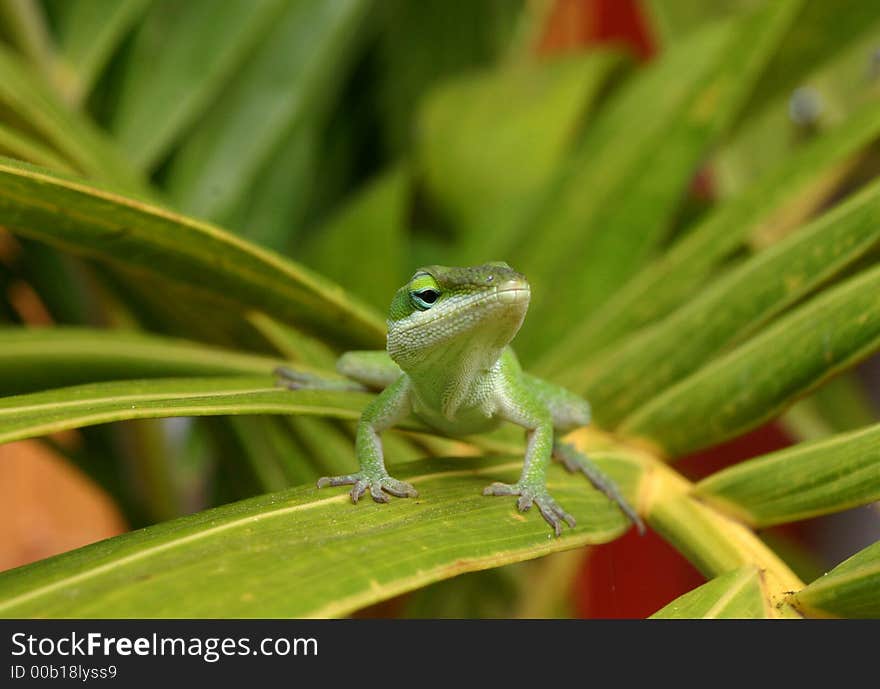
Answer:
(623, 155)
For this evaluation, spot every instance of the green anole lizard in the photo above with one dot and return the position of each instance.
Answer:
(449, 363)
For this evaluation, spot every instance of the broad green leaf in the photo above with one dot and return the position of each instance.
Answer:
(40, 413)
(488, 141)
(40, 358)
(290, 76)
(305, 553)
(848, 590)
(182, 57)
(779, 200)
(183, 252)
(88, 33)
(731, 308)
(737, 594)
(38, 112)
(758, 379)
(368, 231)
(615, 199)
(799, 482)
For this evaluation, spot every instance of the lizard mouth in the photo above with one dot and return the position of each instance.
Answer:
(513, 293)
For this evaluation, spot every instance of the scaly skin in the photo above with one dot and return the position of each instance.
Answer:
(448, 363)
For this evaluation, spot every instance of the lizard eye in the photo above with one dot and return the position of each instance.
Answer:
(424, 298)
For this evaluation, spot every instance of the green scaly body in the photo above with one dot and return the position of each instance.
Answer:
(448, 363)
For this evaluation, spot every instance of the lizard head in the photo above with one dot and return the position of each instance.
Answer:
(441, 308)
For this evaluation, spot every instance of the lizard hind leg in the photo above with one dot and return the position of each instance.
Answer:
(577, 462)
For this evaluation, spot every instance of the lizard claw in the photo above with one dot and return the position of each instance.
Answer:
(552, 512)
(360, 482)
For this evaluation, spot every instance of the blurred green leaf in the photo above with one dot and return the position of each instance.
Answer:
(488, 594)
(40, 358)
(58, 279)
(275, 457)
(488, 141)
(293, 344)
(41, 413)
(838, 83)
(276, 206)
(819, 31)
(295, 68)
(736, 594)
(848, 590)
(842, 404)
(803, 481)
(779, 200)
(184, 252)
(755, 381)
(613, 204)
(419, 44)
(731, 308)
(30, 104)
(671, 21)
(368, 231)
(23, 25)
(19, 145)
(182, 57)
(331, 451)
(271, 555)
(88, 33)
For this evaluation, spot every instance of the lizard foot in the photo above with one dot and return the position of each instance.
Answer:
(553, 514)
(577, 462)
(376, 483)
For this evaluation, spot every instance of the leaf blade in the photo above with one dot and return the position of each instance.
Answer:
(848, 590)
(636, 170)
(488, 141)
(305, 52)
(39, 358)
(38, 413)
(800, 482)
(780, 199)
(149, 239)
(177, 69)
(732, 307)
(134, 575)
(735, 595)
(761, 377)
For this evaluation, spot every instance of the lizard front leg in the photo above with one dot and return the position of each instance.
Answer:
(524, 409)
(390, 407)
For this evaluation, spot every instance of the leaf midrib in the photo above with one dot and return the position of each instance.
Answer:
(141, 397)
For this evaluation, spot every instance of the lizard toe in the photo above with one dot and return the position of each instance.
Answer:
(400, 489)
